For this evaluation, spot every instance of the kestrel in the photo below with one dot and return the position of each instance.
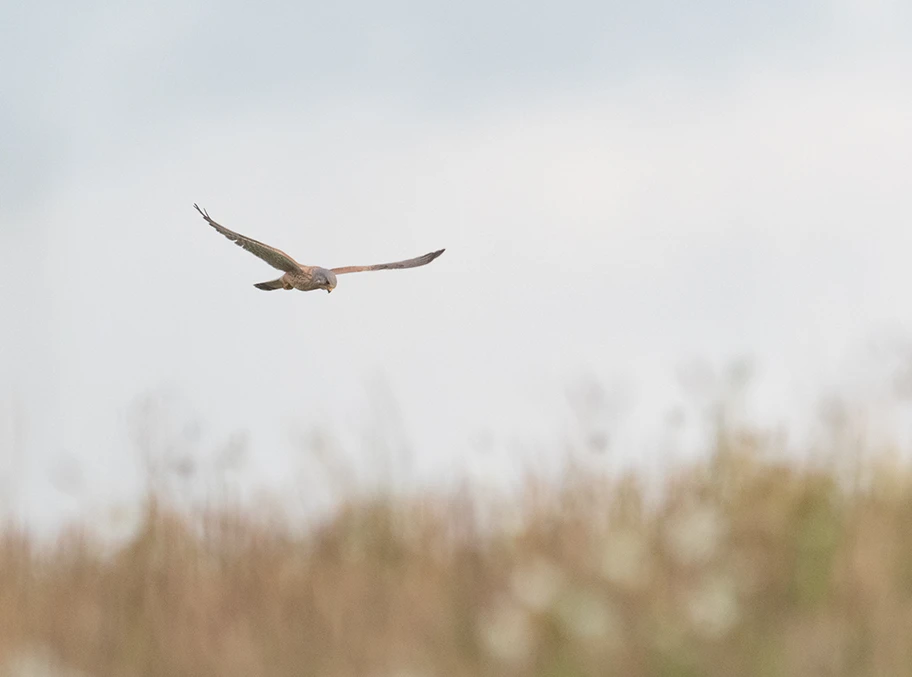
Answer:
(299, 276)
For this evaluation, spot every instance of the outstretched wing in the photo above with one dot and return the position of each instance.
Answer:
(407, 263)
(274, 257)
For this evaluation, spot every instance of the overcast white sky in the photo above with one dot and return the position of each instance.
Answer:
(621, 188)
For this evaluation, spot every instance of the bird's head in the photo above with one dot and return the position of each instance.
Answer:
(325, 279)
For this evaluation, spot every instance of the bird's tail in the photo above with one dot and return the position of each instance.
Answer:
(269, 286)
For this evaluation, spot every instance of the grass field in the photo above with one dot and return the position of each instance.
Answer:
(744, 565)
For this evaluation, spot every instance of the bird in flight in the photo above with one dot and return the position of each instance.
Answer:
(299, 276)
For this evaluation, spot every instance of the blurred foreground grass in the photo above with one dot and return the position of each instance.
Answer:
(744, 565)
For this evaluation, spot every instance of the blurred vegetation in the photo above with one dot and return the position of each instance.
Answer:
(747, 562)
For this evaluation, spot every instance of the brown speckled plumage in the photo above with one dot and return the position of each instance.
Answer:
(299, 276)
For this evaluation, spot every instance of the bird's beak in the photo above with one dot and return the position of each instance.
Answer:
(329, 290)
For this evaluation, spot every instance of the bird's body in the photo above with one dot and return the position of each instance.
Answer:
(301, 277)
(302, 280)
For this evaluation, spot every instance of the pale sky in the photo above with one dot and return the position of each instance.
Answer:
(622, 188)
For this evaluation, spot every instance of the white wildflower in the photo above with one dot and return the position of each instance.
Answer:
(713, 607)
(588, 617)
(37, 661)
(625, 561)
(507, 632)
(537, 584)
(693, 536)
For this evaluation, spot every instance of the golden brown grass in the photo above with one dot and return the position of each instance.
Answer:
(744, 566)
